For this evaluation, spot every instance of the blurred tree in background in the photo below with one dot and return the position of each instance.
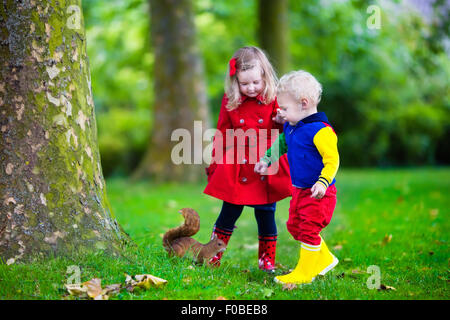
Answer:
(273, 32)
(385, 90)
(179, 90)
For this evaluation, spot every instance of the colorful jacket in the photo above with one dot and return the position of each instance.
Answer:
(311, 147)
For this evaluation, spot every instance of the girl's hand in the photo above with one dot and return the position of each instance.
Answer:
(278, 118)
(261, 167)
(318, 190)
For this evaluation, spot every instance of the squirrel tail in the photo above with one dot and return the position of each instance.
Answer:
(190, 227)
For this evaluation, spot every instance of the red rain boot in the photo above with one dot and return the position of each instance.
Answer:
(223, 235)
(266, 253)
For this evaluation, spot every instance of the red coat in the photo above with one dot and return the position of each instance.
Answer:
(234, 180)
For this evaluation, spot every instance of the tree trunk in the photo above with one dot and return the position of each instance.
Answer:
(52, 192)
(180, 93)
(274, 32)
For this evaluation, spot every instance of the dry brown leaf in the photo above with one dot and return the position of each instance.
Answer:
(77, 290)
(112, 289)
(94, 287)
(221, 298)
(385, 287)
(144, 281)
(386, 239)
(289, 286)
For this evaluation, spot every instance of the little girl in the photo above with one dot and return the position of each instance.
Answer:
(247, 115)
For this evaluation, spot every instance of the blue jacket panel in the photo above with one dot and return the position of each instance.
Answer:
(305, 161)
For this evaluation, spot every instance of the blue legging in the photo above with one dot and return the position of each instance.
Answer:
(264, 214)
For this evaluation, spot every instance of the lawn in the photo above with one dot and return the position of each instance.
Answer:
(395, 219)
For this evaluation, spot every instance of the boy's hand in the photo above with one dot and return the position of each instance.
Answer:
(318, 190)
(278, 118)
(261, 167)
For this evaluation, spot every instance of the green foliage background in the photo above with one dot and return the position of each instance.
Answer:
(385, 90)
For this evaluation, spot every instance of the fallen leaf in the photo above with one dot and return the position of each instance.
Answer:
(144, 281)
(94, 287)
(77, 290)
(221, 298)
(289, 286)
(386, 239)
(385, 287)
(112, 289)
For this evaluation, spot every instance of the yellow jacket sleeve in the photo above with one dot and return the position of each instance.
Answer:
(325, 141)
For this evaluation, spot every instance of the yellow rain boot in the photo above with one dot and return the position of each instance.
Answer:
(305, 271)
(326, 260)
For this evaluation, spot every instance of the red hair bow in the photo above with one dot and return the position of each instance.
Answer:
(232, 67)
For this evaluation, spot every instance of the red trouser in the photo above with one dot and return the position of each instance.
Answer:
(308, 216)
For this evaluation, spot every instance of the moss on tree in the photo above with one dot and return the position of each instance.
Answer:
(53, 194)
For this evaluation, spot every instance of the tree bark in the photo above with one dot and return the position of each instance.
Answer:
(52, 192)
(180, 91)
(274, 32)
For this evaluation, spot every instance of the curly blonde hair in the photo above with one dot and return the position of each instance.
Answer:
(248, 58)
(301, 84)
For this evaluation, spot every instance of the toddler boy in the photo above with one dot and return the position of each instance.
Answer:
(311, 146)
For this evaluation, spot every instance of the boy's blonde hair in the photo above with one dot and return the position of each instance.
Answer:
(301, 84)
(248, 58)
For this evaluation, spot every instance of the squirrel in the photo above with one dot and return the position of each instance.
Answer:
(178, 241)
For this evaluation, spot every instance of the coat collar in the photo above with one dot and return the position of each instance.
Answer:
(259, 98)
(315, 117)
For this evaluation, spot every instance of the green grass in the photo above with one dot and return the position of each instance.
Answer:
(412, 205)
